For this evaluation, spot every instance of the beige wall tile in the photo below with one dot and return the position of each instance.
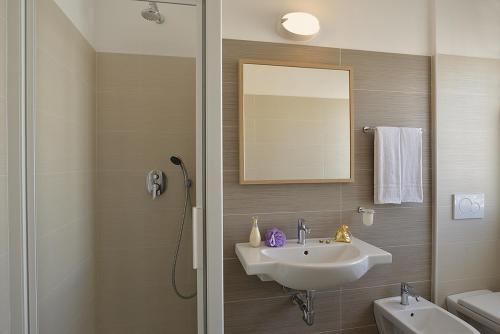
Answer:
(389, 89)
(69, 308)
(3, 57)
(146, 307)
(135, 72)
(463, 285)
(459, 179)
(144, 110)
(3, 95)
(466, 260)
(409, 263)
(279, 315)
(58, 204)
(3, 137)
(479, 146)
(361, 330)
(4, 216)
(3, 6)
(235, 49)
(468, 75)
(323, 224)
(231, 149)
(4, 228)
(230, 103)
(146, 113)
(110, 183)
(63, 146)
(467, 230)
(357, 304)
(388, 71)
(65, 94)
(119, 71)
(240, 286)
(387, 108)
(466, 112)
(389, 224)
(51, 38)
(277, 198)
(4, 294)
(62, 252)
(65, 174)
(140, 151)
(178, 327)
(363, 157)
(130, 228)
(121, 270)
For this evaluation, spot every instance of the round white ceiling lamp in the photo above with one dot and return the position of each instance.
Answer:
(298, 26)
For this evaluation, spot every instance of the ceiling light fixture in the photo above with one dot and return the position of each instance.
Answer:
(298, 26)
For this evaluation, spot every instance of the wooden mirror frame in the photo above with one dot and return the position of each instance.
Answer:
(243, 62)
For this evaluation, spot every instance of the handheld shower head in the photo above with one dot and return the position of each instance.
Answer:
(152, 13)
(176, 160)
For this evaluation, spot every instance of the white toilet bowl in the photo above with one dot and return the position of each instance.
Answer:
(479, 308)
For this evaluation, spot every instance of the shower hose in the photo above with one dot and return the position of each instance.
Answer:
(187, 201)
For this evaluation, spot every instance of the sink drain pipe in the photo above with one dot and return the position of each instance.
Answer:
(305, 303)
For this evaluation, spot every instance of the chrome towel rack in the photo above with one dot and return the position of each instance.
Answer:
(368, 129)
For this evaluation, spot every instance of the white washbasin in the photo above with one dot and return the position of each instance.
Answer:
(313, 266)
(422, 317)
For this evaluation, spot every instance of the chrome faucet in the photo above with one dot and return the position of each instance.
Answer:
(302, 231)
(407, 291)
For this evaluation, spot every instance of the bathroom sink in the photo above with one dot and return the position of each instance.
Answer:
(313, 266)
(420, 317)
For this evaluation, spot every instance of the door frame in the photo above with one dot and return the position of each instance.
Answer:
(22, 45)
(17, 104)
(214, 167)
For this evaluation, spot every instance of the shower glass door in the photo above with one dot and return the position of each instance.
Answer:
(115, 155)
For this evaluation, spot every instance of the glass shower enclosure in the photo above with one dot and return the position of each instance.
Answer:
(106, 193)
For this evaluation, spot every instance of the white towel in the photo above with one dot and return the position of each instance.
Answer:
(411, 165)
(387, 167)
(398, 165)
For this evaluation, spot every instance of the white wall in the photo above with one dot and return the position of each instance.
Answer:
(82, 14)
(121, 29)
(400, 26)
(468, 28)
(117, 26)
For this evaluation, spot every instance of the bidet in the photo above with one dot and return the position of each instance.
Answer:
(407, 291)
(418, 317)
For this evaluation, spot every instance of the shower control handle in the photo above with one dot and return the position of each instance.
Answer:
(156, 183)
(155, 191)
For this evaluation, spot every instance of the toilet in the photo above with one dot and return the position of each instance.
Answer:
(480, 308)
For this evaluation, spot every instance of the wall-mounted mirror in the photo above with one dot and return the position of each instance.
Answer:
(295, 123)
